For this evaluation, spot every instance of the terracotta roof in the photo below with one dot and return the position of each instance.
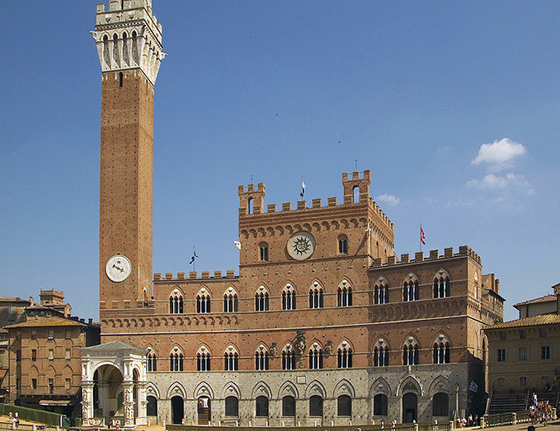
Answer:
(543, 319)
(36, 322)
(10, 299)
(546, 298)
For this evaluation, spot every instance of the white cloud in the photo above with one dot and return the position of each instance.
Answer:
(491, 181)
(389, 199)
(499, 154)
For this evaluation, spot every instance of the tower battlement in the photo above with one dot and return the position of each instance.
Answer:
(128, 36)
(193, 276)
(419, 257)
(251, 199)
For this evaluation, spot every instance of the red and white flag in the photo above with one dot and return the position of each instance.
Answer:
(422, 236)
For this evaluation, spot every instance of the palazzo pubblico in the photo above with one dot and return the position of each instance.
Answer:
(321, 324)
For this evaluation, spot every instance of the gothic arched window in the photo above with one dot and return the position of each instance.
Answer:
(316, 296)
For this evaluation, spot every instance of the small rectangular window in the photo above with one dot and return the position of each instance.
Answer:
(542, 333)
(522, 381)
(545, 352)
(502, 336)
(522, 334)
(68, 334)
(501, 357)
(67, 384)
(51, 334)
(33, 335)
(522, 353)
(33, 355)
(68, 354)
(51, 386)
(33, 383)
(264, 252)
(51, 355)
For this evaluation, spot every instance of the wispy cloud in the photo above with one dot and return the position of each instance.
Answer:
(389, 199)
(499, 154)
(491, 181)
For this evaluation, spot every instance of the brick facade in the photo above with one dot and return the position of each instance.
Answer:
(323, 324)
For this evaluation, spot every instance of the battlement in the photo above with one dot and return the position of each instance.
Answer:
(119, 5)
(251, 199)
(433, 255)
(193, 276)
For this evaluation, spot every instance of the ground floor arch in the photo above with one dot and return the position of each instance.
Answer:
(114, 385)
(409, 407)
(177, 409)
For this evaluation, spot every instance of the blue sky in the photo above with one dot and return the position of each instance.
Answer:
(453, 106)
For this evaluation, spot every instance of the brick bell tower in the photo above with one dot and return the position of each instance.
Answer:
(128, 39)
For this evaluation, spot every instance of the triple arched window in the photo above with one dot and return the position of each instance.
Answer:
(442, 350)
(381, 292)
(261, 299)
(176, 360)
(344, 356)
(231, 359)
(288, 358)
(442, 286)
(203, 359)
(151, 364)
(410, 290)
(176, 302)
(344, 294)
(288, 298)
(203, 301)
(381, 354)
(315, 357)
(411, 352)
(230, 300)
(316, 296)
(261, 359)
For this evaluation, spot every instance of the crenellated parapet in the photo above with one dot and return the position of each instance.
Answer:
(193, 276)
(251, 200)
(419, 257)
(128, 36)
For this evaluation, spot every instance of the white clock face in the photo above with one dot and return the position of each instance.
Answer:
(118, 268)
(301, 245)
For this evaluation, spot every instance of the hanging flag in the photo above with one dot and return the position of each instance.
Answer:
(422, 236)
(194, 256)
(302, 188)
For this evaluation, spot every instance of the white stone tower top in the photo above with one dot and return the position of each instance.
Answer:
(128, 36)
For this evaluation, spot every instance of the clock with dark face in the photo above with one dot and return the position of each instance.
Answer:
(118, 268)
(301, 245)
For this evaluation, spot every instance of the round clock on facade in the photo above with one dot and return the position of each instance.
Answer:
(301, 245)
(118, 268)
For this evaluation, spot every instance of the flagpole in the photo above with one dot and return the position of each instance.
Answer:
(420, 238)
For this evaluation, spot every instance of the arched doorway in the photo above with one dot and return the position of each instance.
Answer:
(177, 410)
(151, 407)
(409, 407)
(204, 411)
(108, 393)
